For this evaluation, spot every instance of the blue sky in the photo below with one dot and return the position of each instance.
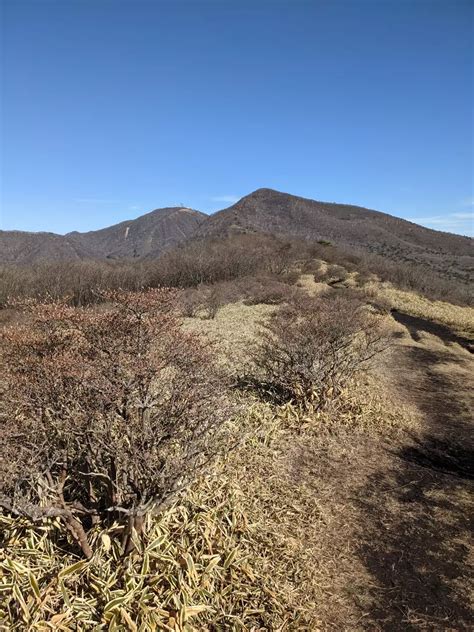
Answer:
(111, 108)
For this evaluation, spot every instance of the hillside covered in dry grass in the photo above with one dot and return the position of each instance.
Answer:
(293, 432)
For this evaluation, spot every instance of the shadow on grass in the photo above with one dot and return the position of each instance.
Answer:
(415, 325)
(420, 518)
(264, 390)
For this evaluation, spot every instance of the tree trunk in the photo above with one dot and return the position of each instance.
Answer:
(77, 530)
(134, 522)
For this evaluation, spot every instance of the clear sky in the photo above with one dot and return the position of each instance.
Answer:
(111, 108)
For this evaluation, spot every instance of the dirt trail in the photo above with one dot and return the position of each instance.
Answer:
(419, 506)
(416, 326)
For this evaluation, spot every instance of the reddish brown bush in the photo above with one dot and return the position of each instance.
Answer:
(311, 349)
(190, 302)
(212, 260)
(105, 412)
(205, 301)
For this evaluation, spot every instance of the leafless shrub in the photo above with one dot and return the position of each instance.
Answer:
(267, 290)
(212, 260)
(214, 299)
(415, 277)
(190, 302)
(218, 260)
(205, 301)
(196, 263)
(311, 266)
(80, 281)
(364, 277)
(8, 317)
(105, 411)
(313, 347)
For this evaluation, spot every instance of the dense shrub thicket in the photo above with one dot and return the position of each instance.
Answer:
(106, 412)
(210, 261)
(196, 263)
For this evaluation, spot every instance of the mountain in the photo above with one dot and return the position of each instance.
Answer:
(25, 248)
(270, 211)
(148, 235)
(264, 210)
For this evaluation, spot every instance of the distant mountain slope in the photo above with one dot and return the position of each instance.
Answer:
(264, 210)
(24, 248)
(278, 213)
(148, 235)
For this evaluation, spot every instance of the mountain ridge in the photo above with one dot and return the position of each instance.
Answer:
(355, 227)
(264, 210)
(147, 235)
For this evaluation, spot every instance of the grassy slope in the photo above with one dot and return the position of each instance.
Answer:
(460, 319)
(338, 523)
(345, 501)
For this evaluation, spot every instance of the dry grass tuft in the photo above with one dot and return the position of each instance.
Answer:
(233, 329)
(193, 567)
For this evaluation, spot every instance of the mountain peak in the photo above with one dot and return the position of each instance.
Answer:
(264, 210)
(263, 191)
(147, 235)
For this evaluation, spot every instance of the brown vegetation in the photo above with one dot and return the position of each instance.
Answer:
(311, 349)
(109, 408)
(338, 519)
(192, 265)
(260, 263)
(106, 412)
(420, 278)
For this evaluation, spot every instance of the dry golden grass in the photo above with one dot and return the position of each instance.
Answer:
(194, 567)
(298, 476)
(460, 319)
(307, 282)
(237, 554)
(233, 328)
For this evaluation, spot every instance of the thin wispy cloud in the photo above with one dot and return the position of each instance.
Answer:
(469, 215)
(450, 222)
(225, 198)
